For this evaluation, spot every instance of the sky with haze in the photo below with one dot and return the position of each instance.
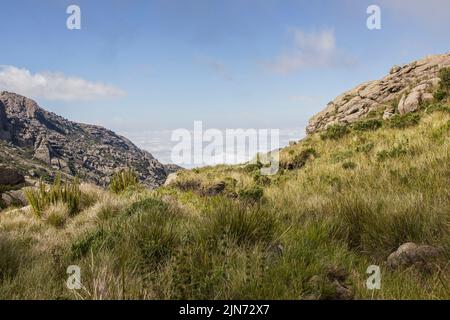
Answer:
(145, 67)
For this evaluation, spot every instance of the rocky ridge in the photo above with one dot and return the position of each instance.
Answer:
(37, 141)
(403, 91)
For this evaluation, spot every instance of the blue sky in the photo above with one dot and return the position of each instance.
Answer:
(142, 65)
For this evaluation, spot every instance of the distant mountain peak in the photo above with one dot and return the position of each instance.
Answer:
(91, 152)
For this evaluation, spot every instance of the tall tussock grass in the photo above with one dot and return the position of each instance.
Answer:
(67, 192)
(123, 180)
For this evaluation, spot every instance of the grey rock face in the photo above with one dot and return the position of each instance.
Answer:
(91, 152)
(411, 81)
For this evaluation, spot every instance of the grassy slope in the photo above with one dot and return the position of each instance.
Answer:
(348, 205)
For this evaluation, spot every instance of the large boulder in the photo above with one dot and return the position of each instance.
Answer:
(411, 254)
(14, 198)
(412, 101)
(10, 177)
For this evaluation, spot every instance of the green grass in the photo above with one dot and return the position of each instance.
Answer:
(67, 192)
(123, 180)
(348, 204)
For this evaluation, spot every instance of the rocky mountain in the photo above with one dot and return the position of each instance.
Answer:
(38, 142)
(403, 91)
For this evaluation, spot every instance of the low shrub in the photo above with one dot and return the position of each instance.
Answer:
(404, 121)
(367, 125)
(251, 194)
(396, 151)
(335, 132)
(442, 107)
(253, 167)
(300, 159)
(439, 95)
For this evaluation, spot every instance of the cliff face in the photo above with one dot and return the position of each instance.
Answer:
(91, 152)
(402, 91)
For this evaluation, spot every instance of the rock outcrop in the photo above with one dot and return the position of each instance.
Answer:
(90, 152)
(409, 84)
(10, 177)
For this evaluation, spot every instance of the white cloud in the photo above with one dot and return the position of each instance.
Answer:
(54, 85)
(309, 50)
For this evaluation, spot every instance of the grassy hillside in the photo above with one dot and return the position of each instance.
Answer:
(343, 200)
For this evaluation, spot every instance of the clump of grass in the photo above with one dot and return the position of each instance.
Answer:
(349, 165)
(404, 121)
(108, 208)
(123, 180)
(56, 214)
(12, 255)
(251, 194)
(188, 185)
(335, 132)
(394, 152)
(90, 240)
(67, 192)
(367, 125)
(365, 148)
(376, 230)
(153, 229)
(241, 224)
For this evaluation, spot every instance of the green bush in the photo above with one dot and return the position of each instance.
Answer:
(444, 75)
(261, 180)
(66, 192)
(251, 167)
(122, 180)
(300, 160)
(335, 132)
(404, 121)
(439, 95)
(252, 194)
(367, 125)
(442, 107)
(444, 86)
